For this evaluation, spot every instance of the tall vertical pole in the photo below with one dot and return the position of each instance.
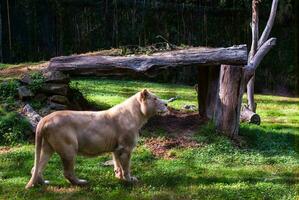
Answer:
(297, 47)
(8, 24)
(1, 55)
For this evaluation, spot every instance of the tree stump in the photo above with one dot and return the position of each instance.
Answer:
(229, 98)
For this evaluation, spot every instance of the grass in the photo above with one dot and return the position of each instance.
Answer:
(266, 167)
(7, 65)
(14, 71)
(105, 93)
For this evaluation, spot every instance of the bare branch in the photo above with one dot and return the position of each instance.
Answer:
(269, 25)
(258, 57)
(254, 29)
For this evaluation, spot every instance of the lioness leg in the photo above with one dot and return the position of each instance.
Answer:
(117, 166)
(124, 157)
(68, 167)
(46, 153)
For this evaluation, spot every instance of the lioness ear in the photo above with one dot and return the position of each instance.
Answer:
(144, 94)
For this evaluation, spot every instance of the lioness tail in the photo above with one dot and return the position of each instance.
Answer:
(38, 144)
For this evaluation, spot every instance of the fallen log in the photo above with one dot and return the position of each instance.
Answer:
(32, 116)
(247, 115)
(148, 64)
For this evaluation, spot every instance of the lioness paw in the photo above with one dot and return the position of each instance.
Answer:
(80, 182)
(133, 179)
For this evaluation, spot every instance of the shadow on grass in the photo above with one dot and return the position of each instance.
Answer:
(98, 106)
(179, 178)
(270, 140)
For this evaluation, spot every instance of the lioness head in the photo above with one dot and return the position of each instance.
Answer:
(151, 104)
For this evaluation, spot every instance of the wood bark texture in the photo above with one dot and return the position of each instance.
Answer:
(248, 116)
(269, 25)
(228, 103)
(148, 64)
(256, 45)
(258, 57)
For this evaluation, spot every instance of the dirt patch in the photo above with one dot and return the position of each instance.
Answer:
(62, 190)
(22, 69)
(179, 125)
(176, 122)
(4, 150)
(161, 147)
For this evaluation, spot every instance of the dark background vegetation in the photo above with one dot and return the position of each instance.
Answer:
(41, 29)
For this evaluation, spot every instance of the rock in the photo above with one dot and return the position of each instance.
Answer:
(59, 99)
(189, 107)
(78, 102)
(32, 116)
(26, 79)
(40, 97)
(57, 106)
(54, 88)
(45, 111)
(108, 163)
(24, 92)
(56, 77)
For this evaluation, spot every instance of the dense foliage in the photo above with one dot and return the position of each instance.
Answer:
(13, 127)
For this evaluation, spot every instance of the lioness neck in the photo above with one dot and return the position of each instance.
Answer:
(130, 109)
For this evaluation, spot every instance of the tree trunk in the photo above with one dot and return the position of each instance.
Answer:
(228, 102)
(248, 116)
(258, 44)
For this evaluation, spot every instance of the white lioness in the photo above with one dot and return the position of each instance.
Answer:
(91, 133)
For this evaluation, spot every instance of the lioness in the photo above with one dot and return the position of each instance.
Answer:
(91, 133)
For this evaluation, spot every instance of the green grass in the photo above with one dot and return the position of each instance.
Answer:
(7, 65)
(265, 167)
(105, 93)
(3, 65)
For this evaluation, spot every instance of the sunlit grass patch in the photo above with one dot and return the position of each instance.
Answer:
(107, 93)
